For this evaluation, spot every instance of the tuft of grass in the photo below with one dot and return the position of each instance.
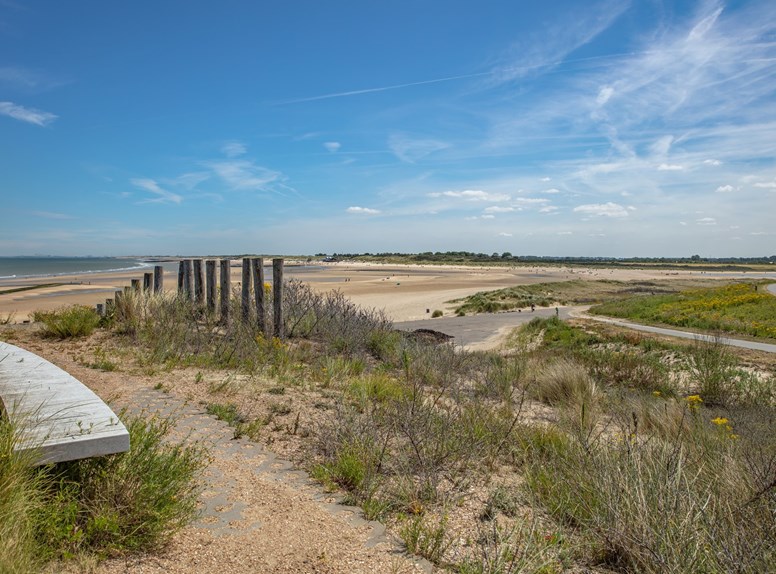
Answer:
(437, 313)
(226, 412)
(563, 381)
(20, 499)
(74, 321)
(123, 502)
(426, 537)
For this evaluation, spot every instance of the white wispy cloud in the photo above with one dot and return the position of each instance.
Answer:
(332, 146)
(362, 210)
(472, 195)
(726, 189)
(409, 149)
(245, 175)
(714, 162)
(504, 234)
(670, 167)
(548, 209)
(162, 195)
(234, 149)
(608, 209)
(552, 190)
(706, 221)
(29, 115)
(766, 184)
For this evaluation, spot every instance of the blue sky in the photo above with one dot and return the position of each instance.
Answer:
(612, 128)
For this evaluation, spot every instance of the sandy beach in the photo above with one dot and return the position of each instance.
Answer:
(404, 292)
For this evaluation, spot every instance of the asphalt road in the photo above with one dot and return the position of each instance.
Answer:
(473, 330)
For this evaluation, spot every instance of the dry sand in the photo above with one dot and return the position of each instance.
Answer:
(404, 292)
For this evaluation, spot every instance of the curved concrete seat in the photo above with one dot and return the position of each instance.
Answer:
(55, 414)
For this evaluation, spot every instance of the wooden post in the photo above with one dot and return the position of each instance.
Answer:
(188, 276)
(180, 277)
(148, 279)
(277, 295)
(246, 289)
(199, 287)
(226, 290)
(158, 279)
(135, 285)
(210, 280)
(100, 310)
(257, 271)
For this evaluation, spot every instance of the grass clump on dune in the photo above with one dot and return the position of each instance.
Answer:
(74, 321)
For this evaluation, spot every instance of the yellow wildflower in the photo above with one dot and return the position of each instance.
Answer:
(694, 399)
(657, 393)
(720, 421)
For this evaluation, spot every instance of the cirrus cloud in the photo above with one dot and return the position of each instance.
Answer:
(29, 115)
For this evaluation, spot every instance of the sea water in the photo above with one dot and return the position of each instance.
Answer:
(12, 267)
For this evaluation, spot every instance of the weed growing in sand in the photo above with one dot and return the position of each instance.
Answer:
(74, 321)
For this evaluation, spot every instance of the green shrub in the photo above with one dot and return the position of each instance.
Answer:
(74, 321)
(426, 537)
(437, 313)
(128, 501)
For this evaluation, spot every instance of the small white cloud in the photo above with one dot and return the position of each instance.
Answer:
(505, 234)
(726, 189)
(682, 223)
(565, 233)
(362, 210)
(233, 149)
(548, 209)
(498, 209)
(706, 221)
(762, 233)
(631, 208)
(552, 190)
(597, 235)
(712, 162)
(332, 146)
(608, 209)
(472, 195)
(669, 167)
(766, 185)
(604, 95)
(546, 179)
(29, 115)
(735, 227)
(163, 196)
(488, 216)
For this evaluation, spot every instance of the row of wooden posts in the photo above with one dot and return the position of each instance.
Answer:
(197, 283)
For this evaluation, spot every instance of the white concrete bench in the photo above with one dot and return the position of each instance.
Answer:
(55, 414)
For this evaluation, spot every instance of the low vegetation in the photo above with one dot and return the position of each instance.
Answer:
(74, 321)
(574, 292)
(97, 506)
(740, 308)
(573, 448)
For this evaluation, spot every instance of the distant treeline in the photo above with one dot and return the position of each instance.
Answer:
(463, 257)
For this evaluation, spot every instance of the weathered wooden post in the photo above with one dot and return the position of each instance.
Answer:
(210, 280)
(100, 310)
(226, 290)
(148, 279)
(277, 295)
(180, 277)
(158, 279)
(199, 287)
(257, 271)
(136, 285)
(188, 276)
(246, 290)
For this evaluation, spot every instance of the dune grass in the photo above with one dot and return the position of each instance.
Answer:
(98, 506)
